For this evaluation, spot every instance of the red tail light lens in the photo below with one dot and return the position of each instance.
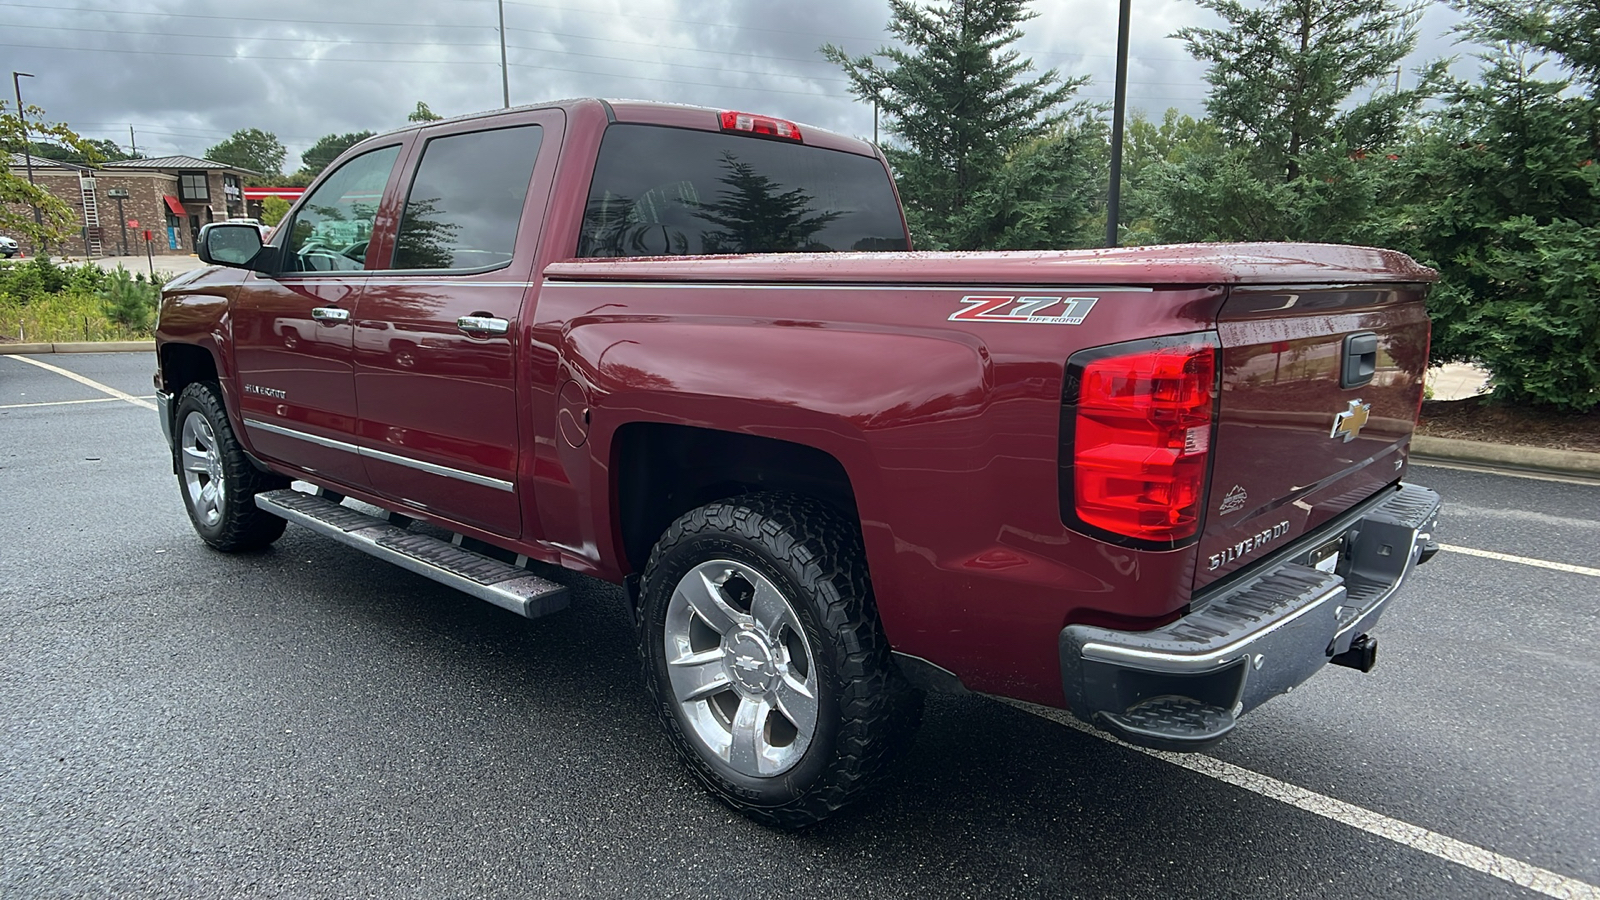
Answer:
(762, 125)
(1140, 426)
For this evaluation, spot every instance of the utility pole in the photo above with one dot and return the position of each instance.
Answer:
(505, 78)
(133, 145)
(1119, 109)
(27, 142)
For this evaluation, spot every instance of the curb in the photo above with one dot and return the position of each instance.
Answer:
(81, 347)
(1509, 456)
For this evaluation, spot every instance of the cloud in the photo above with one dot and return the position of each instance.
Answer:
(187, 73)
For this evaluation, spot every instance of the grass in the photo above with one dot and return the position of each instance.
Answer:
(41, 302)
(65, 316)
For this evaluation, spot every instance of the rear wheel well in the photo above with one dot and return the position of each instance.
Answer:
(663, 471)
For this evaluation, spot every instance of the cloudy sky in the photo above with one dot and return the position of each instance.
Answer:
(187, 73)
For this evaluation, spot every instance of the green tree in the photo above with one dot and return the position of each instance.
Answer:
(1568, 30)
(1502, 195)
(422, 114)
(96, 152)
(273, 209)
(1283, 76)
(1282, 71)
(56, 220)
(253, 149)
(326, 150)
(960, 104)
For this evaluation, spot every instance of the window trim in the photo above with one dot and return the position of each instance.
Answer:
(184, 195)
(285, 228)
(421, 153)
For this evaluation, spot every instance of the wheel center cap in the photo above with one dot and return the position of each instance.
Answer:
(749, 662)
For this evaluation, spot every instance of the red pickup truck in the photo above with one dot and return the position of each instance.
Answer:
(691, 352)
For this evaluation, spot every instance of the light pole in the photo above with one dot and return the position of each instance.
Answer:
(1119, 107)
(505, 79)
(119, 195)
(27, 142)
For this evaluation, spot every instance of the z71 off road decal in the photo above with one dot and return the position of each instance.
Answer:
(1033, 310)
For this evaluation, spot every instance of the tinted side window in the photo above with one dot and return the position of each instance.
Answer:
(661, 191)
(332, 227)
(466, 201)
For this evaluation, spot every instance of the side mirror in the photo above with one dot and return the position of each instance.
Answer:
(229, 244)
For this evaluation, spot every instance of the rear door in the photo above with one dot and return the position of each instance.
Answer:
(293, 331)
(1320, 391)
(436, 339)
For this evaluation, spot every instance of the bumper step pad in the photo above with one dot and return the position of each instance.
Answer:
(1170, 723)
(502, 584)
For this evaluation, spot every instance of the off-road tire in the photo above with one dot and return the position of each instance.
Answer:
(866, 709)
(241, 525)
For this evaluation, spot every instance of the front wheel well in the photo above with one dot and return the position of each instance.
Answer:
(185, 364)
(662, 471)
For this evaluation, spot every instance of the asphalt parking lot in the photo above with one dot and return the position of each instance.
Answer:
(311, 722)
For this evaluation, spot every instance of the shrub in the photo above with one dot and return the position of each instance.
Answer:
(129, 300)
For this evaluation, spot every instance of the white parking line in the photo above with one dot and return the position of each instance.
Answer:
(1523, 560)
(1509, 473)
(88, 382)
(1505, 868)
(70, 402)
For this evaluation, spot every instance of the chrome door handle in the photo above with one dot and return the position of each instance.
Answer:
(483, 325)
(330, 314)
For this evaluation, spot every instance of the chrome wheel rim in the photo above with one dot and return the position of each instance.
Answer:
(741, 670)
(204, 486)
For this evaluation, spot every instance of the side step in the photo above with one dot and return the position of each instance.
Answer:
(504, 585)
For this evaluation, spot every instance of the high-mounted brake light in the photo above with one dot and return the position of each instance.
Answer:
(1140, 425)
(763, 125)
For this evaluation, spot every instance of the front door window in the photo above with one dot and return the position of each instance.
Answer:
(333, 225)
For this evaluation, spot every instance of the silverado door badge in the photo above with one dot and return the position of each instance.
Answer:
(1032, 310)
(1350, 422)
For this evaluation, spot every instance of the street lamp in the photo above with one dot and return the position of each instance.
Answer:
(1119, 107)
(119, 195)
(27, 143)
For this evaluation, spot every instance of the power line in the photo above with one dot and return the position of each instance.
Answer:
(240, 37)
(341, 59)
(677, 65)
(277, 21)
(674, 19)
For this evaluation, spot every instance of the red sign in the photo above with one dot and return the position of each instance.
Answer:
(147, 235)
(133, 223)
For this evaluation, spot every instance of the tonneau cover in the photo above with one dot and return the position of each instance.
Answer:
(1178, 264)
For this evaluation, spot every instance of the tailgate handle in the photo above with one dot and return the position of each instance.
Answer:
(1360, 359)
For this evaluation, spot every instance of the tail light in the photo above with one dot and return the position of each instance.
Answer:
(766, 126)
(1137, 424)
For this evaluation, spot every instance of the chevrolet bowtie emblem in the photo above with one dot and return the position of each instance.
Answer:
(1350, 422)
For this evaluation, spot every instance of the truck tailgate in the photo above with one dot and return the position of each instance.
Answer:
(1320, 391)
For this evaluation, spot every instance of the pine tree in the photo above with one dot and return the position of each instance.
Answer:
(1502, 195)
(960, 104)
(1282, 71)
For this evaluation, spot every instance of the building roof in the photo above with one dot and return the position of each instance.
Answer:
(176, 162)
(39, 162)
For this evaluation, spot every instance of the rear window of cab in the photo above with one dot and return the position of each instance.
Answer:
(660, 191)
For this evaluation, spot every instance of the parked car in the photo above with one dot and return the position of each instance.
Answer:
(1156, 486)
(8, 247)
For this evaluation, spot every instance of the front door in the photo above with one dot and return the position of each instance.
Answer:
(435, 342)
(293, 331)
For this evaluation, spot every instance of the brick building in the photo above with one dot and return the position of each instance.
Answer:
(171, 197)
